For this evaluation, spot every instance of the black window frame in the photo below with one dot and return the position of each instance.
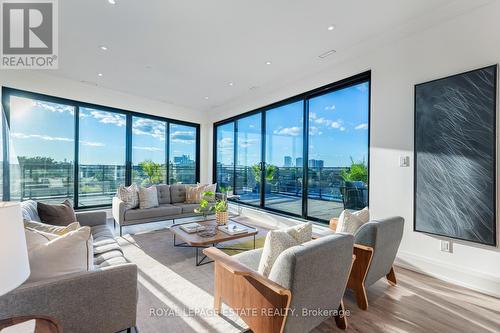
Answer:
(7, 92)
(305, 97)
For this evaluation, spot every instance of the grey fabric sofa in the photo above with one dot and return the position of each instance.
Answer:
(172, 206)
(314, 274)
(102, 301)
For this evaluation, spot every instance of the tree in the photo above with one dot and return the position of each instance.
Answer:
(358, 171)
(152, 171)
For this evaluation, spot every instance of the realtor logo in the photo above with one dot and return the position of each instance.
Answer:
(29, 34)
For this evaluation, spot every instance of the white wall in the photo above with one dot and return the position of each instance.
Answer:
(42, 82)
(466, 42)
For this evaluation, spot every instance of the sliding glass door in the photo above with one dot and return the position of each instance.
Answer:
(338, 152)
(101, 167)
(284, 161)
(306, 157)
(248, 159)
(42, 153)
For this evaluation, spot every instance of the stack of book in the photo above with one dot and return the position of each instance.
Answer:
(233, 229)
(192, 227)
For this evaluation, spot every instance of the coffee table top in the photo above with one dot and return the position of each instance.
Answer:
(194, 239)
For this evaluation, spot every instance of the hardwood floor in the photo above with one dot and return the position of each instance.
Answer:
(420, 303)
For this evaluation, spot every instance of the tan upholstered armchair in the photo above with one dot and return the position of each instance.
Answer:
(303, 280)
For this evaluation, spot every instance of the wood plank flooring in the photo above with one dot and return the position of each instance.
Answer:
(420, 303)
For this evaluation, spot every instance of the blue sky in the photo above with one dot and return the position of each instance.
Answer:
(47, 129)
(338, 130)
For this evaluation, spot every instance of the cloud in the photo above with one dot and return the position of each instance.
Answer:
(144, 126)
(53, 107)
(362, 87)
(330, 107)
(245, 143)
(40, 137)
(337, 124)
(312, 115)
(183, 136)
(92, 144)
(225, 143)
(363, 126)
(313, 130)
(18, 135)
(109, 118)
(323, 121)
(147, 148)
(290, 131)
(342, 128)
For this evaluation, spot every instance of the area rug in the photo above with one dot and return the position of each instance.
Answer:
(175, 295)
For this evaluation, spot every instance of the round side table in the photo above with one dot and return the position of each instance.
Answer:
(43, 324)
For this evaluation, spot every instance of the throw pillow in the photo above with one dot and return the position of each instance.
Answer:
(62, 214)
(278, 241)
(53, 229)
(51, 255)
(209, 188)
(129, 195)
(193, 193)
(148, 197)
(349, 222)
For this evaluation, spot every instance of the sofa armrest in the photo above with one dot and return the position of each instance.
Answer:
(103, 300)
(91, 219)
(118, 210)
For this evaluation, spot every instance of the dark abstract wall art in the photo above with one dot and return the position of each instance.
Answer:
(455, 156)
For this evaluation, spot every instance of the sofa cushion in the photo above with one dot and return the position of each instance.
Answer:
(112, 262)
(62, 214)
(29, 211)
(148, 197)
(162, 210)
(250, 258)
(178, 193)
(350, 222)
(53, 229)
(129, 195)
(163, 194)
(100, 258)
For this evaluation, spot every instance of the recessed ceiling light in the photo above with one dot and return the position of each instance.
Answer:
(231, 84)
(103, 47)
(331, 28)
(206, 97)
(99, 74)
(327, 53)
(268, 62)
(113, 2)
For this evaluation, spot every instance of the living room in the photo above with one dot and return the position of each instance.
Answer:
(264, 166)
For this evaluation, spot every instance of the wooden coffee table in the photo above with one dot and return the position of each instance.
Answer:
(196, 241)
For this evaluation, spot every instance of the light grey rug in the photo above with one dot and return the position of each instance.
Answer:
(174, 294)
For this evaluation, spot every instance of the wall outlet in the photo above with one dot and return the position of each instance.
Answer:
(404, 161)
(446, 246)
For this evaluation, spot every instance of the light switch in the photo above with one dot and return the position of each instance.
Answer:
(404, 161)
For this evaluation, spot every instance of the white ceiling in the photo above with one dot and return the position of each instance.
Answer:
(180, 51)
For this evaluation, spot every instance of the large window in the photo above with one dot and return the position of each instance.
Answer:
(148, 151)
(183, 160)
(63, 149)
(306, 156)
(102, 151)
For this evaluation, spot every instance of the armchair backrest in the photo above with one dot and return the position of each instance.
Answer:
(384, 236)
(316, 273)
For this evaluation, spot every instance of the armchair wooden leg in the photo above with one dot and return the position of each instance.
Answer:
(361, 299)
(340, 318)
(391, 277)
(217, 289)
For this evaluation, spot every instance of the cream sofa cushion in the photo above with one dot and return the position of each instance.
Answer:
(51, 255)
(148, 197)
(278, 241)
(129, 195)
(349, 222)
(53, 229)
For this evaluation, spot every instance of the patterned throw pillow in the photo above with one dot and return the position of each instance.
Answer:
(148, 197)
(278, 241)
(129, 195)
(349, 222)
(193, 193)
(209, 188)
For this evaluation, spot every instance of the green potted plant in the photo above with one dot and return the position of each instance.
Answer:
(270, 172)
(221, 211)
(203, 208)
(355, 179)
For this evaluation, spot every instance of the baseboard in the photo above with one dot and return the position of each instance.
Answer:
(479, 281)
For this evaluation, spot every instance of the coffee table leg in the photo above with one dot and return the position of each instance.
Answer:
(201, 261)
(254, 242)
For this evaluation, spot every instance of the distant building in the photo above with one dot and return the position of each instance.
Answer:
(287, 161)
(299, 161)
(316, 163)
(183, 160)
